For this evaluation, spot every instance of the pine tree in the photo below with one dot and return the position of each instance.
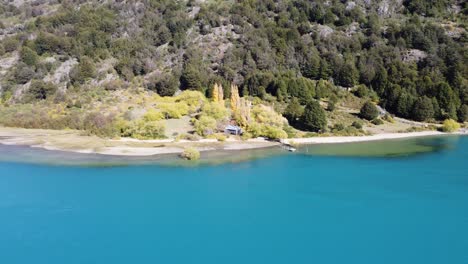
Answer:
(314, 117)
(423, 109)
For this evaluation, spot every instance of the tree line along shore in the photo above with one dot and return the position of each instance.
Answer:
(276, 69)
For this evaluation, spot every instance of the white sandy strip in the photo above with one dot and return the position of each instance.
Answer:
(328, 140)
(136, 151)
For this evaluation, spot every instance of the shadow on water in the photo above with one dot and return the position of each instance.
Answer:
(28, 155)
(384, 149)
(375, 149)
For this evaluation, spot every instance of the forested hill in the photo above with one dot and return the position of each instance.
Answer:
(409, 56)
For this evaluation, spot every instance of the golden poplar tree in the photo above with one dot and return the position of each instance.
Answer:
(215, 93)
(235, 99)
(220, 94)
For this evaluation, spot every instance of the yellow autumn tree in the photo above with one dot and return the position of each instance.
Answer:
(215, 93)
(243, 112)
(235, 98)
(218, 95)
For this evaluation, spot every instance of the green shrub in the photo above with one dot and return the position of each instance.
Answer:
(191, 137)
(193, 99)
(173, 110)
(377, 122)
(190, 154)
(369, 111)
(28, 56)
(84, 71)
(450, 126)
(145, 130)
(338, 127)
(205, 125)
(153, 115)
(357, 124)
(246, 135)
(10, 44)
(273, 132)
(100, 124)
(23, 73)
(361, 91)
(39, 90)
(214, 110)
(220, 137)
(331, 106)
(388, 118)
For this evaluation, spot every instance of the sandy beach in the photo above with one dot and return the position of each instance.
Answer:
(74, 141)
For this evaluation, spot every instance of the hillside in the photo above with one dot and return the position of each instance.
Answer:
(148, 69)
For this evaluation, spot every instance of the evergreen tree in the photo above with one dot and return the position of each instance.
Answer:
(423, 109)
(191, 78)
(293, 111)
(463, 113)
(314, 118)
(405, 105)
(348, 75)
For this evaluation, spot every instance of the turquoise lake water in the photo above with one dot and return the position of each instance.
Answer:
(318, 205)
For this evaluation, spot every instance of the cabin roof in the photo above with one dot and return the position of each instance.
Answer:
(231, 127)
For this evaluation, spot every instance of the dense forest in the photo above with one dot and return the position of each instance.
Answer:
(408, 56)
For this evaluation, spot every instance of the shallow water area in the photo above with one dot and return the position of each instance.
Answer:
(402, 201)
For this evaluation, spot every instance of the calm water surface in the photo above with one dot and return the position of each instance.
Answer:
(402, 201)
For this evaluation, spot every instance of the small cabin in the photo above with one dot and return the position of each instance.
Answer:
(233, 130)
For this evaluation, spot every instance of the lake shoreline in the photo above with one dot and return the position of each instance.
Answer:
(356, 139)
(73, 141)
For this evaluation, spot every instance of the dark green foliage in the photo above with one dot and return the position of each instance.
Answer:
(85, 70)
(314, 118)
(357, 124)
(447, 100)
(361, 91)
(428, 8)
(463, 113)
(165, 85)
(338, 127)
(369, 111)
(405, 105)
(191, 78)
(423, 109)
(23, 73)
(377, 122)
(10, 44)
(39, 90)
(293, 111)
(323, 89)
(347, 75)
(46, 42)
(28, 56)
(332, 103)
